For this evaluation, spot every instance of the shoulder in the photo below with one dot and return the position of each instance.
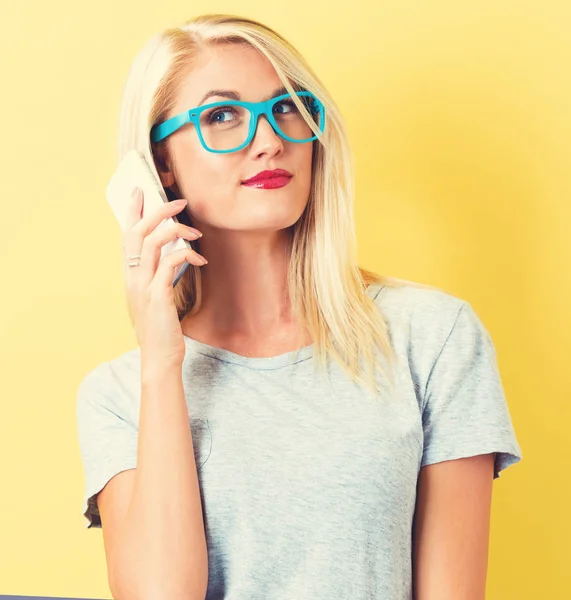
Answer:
(112, 383)
(423, 319)
(423, 309)
(114, 370)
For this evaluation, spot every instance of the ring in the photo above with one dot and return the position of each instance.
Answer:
(134, 264)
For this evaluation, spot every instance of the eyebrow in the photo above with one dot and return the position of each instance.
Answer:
(236, 96)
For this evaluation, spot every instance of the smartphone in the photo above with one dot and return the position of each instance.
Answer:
(134, 171)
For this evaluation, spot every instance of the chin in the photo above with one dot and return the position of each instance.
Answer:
(276, 216)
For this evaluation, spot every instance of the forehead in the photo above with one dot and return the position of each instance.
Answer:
(230, 67)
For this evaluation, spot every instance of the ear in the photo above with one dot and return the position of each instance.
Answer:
(160, 153)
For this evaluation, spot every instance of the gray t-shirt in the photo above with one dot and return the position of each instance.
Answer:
(308, 482)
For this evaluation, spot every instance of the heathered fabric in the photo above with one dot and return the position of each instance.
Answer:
(308, 481)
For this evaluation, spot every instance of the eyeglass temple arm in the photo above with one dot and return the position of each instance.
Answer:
(165, 129)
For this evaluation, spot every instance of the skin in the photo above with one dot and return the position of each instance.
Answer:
(451, 529)
(245, 230)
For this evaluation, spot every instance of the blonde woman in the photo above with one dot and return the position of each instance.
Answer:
(290, 426)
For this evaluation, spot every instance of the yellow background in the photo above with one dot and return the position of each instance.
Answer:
(459, 113)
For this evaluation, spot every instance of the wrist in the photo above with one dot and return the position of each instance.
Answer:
(159, 371)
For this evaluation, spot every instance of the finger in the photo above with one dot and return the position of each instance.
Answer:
(165, 272)
(160, 236)
(140, 225)
(149, 222)
(154, 242)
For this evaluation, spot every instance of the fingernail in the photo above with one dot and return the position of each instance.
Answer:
(134, 193)
(179, 202)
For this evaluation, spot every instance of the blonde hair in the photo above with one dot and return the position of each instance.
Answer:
(327, 289)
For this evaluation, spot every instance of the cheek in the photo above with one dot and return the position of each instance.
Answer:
(305, 169)
(208, 183)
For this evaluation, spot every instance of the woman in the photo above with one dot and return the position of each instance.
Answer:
(290, 425)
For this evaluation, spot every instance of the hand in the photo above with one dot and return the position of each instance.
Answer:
(149, 289)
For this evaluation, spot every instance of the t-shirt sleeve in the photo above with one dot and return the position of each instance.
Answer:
(107, 438)
(464, 411)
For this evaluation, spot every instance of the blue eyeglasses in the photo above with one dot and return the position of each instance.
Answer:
(230, 125)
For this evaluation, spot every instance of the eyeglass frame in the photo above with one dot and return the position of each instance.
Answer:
(162, 130)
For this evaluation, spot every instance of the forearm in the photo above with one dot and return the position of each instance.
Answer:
(163, 549)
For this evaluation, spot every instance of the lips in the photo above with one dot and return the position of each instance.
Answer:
(269, 184)
(265, 175)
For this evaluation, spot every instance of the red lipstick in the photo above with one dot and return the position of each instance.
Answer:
(268, 180)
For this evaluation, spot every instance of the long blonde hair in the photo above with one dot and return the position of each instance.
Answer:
(327, 289)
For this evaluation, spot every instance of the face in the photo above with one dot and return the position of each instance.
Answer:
(212, 183)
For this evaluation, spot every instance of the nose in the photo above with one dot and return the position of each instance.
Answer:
(265, 138)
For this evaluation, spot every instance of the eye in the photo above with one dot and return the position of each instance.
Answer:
(285, 107)
(212, 117)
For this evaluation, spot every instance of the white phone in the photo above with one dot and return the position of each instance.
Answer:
(134, 171)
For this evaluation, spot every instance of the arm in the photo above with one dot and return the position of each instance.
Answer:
(151, 516)
(451, 529)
